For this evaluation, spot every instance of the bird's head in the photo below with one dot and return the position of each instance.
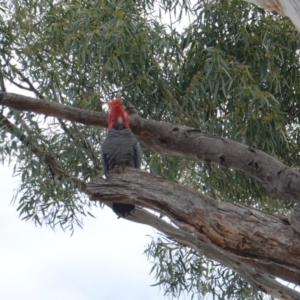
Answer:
(117, 117)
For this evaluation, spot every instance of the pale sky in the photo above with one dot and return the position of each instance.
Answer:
(104, 260)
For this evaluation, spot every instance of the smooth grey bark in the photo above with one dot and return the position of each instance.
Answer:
(278, 180)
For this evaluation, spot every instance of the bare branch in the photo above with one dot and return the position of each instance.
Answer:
(260, 280)
(25, 79)
(239, 231)
(31, 87)
(278, 180)
(52, 109)
(20, 86)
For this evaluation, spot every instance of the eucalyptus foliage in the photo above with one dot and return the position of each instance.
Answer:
(233, 71)
(181, 270)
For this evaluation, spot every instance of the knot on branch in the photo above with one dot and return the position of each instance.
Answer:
(254, 165)
(131, 109)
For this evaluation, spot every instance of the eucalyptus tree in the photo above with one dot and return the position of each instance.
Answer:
(215, 107)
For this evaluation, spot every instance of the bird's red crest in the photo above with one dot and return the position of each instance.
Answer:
(116, 110)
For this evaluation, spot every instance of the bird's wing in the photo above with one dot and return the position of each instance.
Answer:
(104, 164)
(138, 155)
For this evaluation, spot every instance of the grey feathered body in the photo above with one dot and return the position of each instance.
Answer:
(121, 148)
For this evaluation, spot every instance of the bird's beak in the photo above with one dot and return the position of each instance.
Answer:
(120, 120)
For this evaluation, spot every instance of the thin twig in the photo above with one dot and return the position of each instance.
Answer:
(54, 166)
(19, 85)
(31, 87)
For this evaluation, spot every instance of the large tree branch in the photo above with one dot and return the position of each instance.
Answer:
(53, 109)
(240, 231)
(278, 180)
(247, 271)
